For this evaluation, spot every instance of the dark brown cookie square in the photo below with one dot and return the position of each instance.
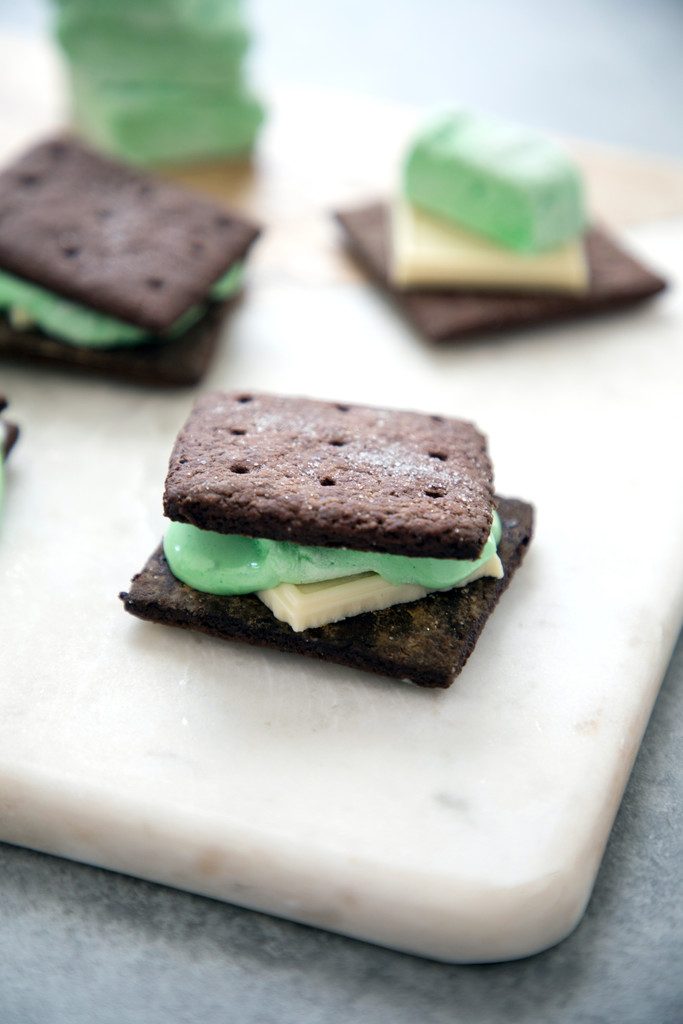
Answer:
(177, 363)
(113, 238)
(426, 642)
(333, 475)
(616, 280)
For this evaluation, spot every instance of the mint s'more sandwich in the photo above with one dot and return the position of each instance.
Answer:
(365, 536)
(490, 231)
(108, 270)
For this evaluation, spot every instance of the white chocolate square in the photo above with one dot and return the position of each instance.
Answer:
(308, 605)
(427, 251)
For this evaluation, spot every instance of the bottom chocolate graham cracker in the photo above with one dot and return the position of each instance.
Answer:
(426, 642)
(616, 280)
(177, 363)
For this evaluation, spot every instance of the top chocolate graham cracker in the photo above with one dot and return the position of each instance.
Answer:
(113, 238)
(332, 475)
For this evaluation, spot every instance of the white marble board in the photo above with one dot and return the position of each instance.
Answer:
(462, 825)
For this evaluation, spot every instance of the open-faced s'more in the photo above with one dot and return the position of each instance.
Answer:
(366, 536)
(9, 432)
(106, 269)
(489, 231)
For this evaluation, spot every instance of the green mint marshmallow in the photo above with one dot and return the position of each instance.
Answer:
(160, 81)
(501, 180)
(226, 564)
(27, 305)
(149, 124)
(194, 44)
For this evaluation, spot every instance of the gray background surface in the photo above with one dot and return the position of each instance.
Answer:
(83, 946)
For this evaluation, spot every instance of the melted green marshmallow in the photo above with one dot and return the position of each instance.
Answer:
(501, 180)
(225, 564)
(28, 306)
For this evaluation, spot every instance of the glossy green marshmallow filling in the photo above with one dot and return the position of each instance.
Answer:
(224, 564)
(27, 306)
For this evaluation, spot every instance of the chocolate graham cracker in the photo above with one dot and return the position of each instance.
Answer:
(616, 280)
(112, 238)
(9, 432)
(180, 362)
(332, 474)
(426, 642)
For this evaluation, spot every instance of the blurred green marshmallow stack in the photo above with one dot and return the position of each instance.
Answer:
(160, 81)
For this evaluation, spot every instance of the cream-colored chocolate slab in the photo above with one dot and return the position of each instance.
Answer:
(307, 605)
(429, 252)
(463, 825)
(315, 604)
